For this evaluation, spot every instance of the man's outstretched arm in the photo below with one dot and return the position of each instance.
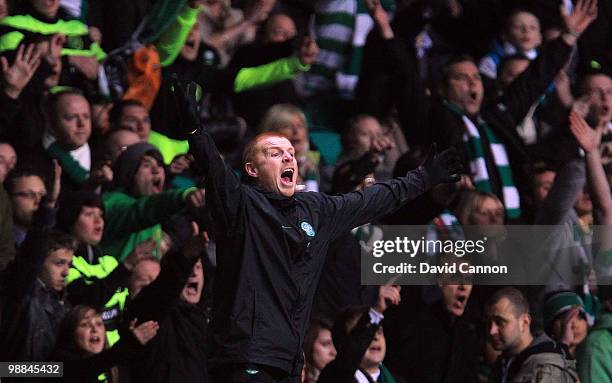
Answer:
(357, 208)
(223, 188)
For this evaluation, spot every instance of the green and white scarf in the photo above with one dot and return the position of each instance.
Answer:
(341, 28)
(478, 165)
(76, 164)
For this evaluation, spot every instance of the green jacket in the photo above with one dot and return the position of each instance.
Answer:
(129, 220)
(595, 357)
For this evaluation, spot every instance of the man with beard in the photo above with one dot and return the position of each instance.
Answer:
(524, 357)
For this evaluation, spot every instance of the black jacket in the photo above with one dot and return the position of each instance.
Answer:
(342, 368)
(179, 351)
(31, 311)
(426, 345)
(340, 285)
(270, 253)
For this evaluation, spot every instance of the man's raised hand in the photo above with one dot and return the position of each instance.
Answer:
(388, 295)
(380, 17)
(309, 50)
(584, 13)
(444, 167)
(589, 139)
(144, 332)
(18, 75)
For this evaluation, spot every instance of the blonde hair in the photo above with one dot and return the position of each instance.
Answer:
(279, 116)
(471, 201)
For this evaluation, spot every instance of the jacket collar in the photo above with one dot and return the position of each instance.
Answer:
(275, 199)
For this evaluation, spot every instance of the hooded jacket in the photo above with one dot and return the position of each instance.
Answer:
(544, 361)
(594, 362)
(270, 253)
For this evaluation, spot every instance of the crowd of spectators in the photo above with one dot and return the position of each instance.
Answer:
(107, 246)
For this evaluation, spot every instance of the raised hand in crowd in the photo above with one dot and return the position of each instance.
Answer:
(588, 138)
(585, 12)
(19, 73)
(142, 250)
(181, 163)
(144, 332)
(309, 50)
(380, 17)
(101, 174)
(56, 188)
(388, 295)
(197, 244)
(196, 198)
(444, 167)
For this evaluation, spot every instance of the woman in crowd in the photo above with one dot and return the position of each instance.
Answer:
(565, 319)
(81, 346)
(319, 349)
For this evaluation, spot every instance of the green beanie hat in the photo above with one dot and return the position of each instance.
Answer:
(560, 303)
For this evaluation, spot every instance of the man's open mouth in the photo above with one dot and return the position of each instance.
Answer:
(375, 349)
(460, 301)
(192, 287)
(95, 339)
(287, 176)
(190, 44)
(157, 184)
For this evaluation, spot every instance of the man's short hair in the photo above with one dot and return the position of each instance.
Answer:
(15, 174)
(586, 76)
(507, 24)
(56, 97)
(519, 303)
(250, 150)
(456, 59)
(117, 110)
(57, 240)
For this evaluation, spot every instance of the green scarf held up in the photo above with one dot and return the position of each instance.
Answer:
(480, 173)
(69, 165)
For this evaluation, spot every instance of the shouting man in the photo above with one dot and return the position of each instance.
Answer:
(271, 244)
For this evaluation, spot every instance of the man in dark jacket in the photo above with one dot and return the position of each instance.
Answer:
(434, 337)
(271, 244)
(35, 287)
(180, 350)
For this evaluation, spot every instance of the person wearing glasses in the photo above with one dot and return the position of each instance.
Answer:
(26, 189)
